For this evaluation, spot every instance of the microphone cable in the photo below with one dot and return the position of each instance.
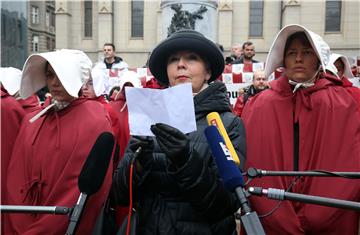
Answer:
(128, 226)
(336, 174)
(296, 178)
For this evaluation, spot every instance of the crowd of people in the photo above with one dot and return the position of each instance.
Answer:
(306, 119)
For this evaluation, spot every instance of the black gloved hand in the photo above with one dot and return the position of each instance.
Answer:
(144, 157)
(172, 142)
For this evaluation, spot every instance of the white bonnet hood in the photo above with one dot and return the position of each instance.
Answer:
(132, 77)
(10, 78)
(275, 57)
(100, 80)
(71, 66)
(331, 65)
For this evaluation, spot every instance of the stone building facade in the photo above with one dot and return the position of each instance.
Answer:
(41, 26)
(135, 27)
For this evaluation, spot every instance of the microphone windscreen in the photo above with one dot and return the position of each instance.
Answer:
(95, 167)
(214, 119)
(228, 170)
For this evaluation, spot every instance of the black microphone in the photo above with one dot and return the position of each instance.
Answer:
(232, 179)
(92, 175)
(280, 194)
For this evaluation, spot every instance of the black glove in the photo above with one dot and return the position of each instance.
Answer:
(144, 157)
(172, 142)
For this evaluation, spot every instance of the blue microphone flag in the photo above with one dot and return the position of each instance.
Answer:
(228, 170)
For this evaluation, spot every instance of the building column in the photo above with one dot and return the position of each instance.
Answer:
(291, 12)
(225, 23)
(105, 24)
(63, 24)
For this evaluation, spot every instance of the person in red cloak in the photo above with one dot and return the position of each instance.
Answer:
(11, 79)
(129, 78)
(53, 145)
(306, 120)
(11, 116)
(94, 88)
(340, 66)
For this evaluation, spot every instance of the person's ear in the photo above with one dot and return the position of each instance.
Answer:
(208, 75)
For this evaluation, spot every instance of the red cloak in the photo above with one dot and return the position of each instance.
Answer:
(329, 139)
(30, 104)
(46, 163)
(115, 123)
(11, 116)
(120, 107)
(354, 91)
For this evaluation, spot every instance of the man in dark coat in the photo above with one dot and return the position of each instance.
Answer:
(259, 85)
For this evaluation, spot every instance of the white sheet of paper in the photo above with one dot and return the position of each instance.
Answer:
(173, 106)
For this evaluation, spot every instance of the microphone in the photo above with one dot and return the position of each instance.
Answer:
(228, 171)
(214, 119)
(280, 194)
(232, 179)
(92, 175)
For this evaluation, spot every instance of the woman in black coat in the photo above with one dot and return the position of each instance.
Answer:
(176, 184)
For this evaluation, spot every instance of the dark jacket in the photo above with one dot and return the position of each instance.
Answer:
(116, 61)
(243, 99)
(192, 199)
(241, 61)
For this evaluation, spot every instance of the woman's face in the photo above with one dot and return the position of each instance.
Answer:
(301, 62)
(88, 89)
(340, 67)
(185, 67)
(55, 87)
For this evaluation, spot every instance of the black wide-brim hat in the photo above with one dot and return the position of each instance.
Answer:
(189, 40)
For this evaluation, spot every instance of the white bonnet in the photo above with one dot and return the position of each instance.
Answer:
(276, 53)
(71, 66)
(10, 78)
(331, 65)
(132, 77)
(100, 80)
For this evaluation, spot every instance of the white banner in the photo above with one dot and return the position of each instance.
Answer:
(233, 90)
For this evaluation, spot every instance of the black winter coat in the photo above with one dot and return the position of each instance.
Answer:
(192, 199)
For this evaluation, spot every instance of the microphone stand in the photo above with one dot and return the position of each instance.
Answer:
(280, 194)
(249, 219)
(76, 214)
(55, 210)
(253, 172)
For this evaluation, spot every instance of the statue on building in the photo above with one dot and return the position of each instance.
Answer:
(183, 19)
